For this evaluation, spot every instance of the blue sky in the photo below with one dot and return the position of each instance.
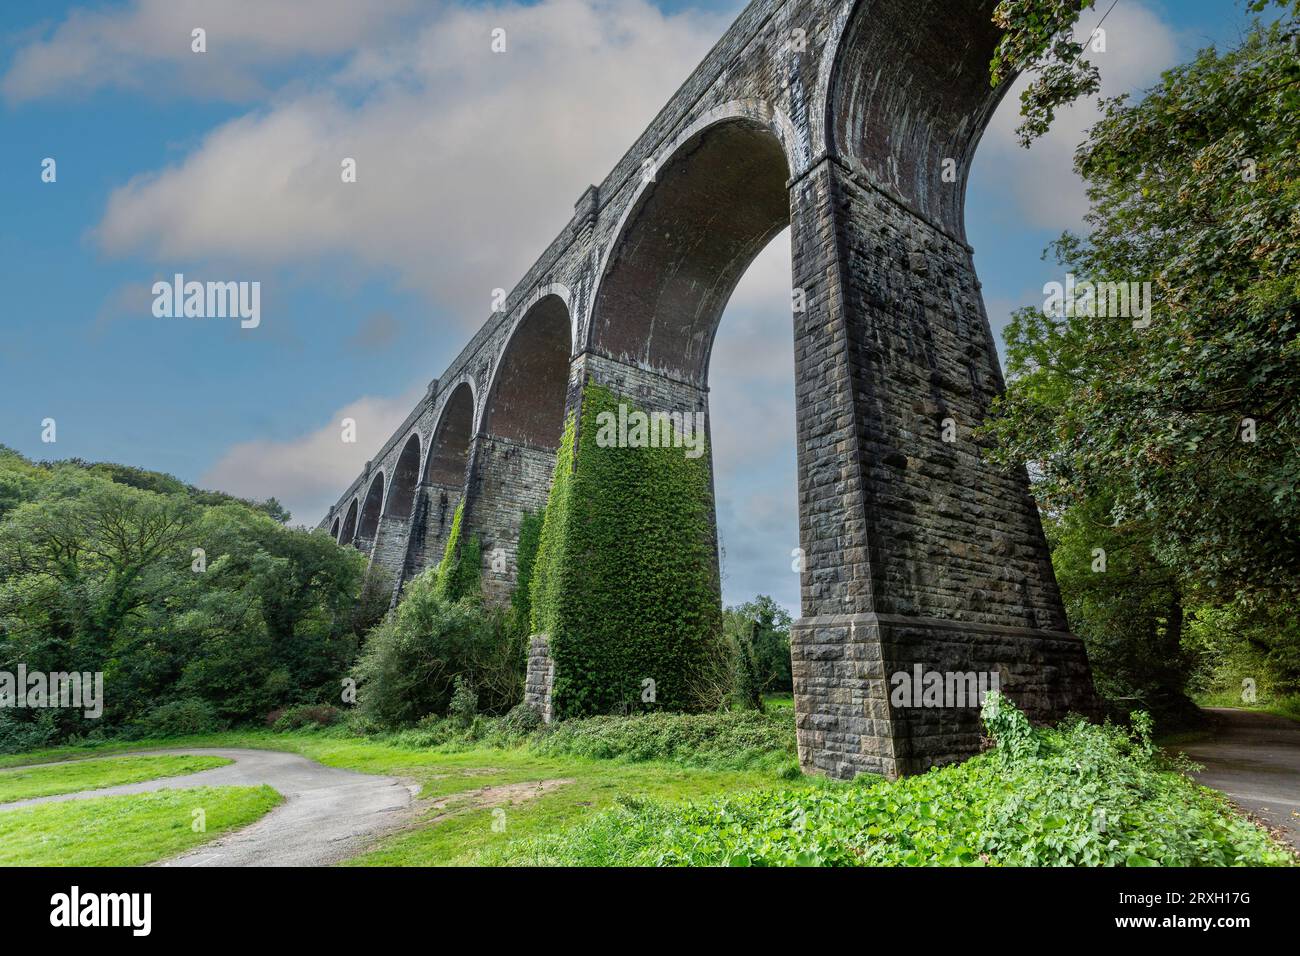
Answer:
(171, 164)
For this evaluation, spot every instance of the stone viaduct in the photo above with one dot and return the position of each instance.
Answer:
(853, 122)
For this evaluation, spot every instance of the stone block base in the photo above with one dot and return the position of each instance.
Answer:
(858, 688)
(541, 677)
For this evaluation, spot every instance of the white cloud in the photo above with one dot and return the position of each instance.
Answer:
(1041, 181)
(468, 162)
(146, 45)
(308, 473)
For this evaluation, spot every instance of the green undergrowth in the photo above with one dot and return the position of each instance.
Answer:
(1287, 706)
(726, 740)
(1079, 795)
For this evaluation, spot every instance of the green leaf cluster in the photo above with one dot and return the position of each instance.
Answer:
(626, 581)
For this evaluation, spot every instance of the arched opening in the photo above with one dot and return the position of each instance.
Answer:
(523, 422)
(714, 205)
(920, 70)
(401, 492)
(449, 446)
(526, 403)
(444, 479)
(370, 510)
(349, 533)
(334, 529)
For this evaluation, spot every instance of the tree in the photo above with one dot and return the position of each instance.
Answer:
(174, 594)
(1177, 435)
(767, 632)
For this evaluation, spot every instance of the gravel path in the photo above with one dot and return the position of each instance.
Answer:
(327, 815)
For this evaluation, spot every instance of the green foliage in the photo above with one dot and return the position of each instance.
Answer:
(626, 580)
(530, 538)
(1079, 795)
(464, 702)
(1135, 435)
(444, 572)
(768, 635)
(521, 720)
(1010, 729)
(410, 662)
(179, 718)
(1039, 42)
(304, 715)
(552, 575)
(721, 741)
(458, 573)
(1232, 648)
(100, 571)
(1130, 614)
(20, 733)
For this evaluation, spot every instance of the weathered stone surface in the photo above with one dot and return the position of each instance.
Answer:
(854, 123)
(540, 677)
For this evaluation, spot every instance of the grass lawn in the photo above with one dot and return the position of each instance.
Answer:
(23, 783)
(126, 830)
(779, 702)
(463, 829)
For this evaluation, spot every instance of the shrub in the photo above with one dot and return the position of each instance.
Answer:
(740, 740)
(1081, 795)
(18, 735)
(180, 718)
(521, 720)
(464, 702)
(410, 662)
(304, 715)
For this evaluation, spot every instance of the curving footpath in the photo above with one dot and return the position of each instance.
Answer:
(1255, 759)
(327, 815)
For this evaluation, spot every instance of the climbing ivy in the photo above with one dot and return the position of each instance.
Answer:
(626, 580)
(530, 533)
(549, 577)
(459, 570)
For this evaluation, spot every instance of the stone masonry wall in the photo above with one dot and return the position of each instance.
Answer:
(508, 479)
(540, 677)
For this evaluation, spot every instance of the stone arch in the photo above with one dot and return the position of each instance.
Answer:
(525, 401)
(334, 529)
(449, 443)
(371, 509)
(349, 531)
(906, 95)
(406, 475)
(685, 241)
(544, 291)
(442, 485)
(519, 433)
